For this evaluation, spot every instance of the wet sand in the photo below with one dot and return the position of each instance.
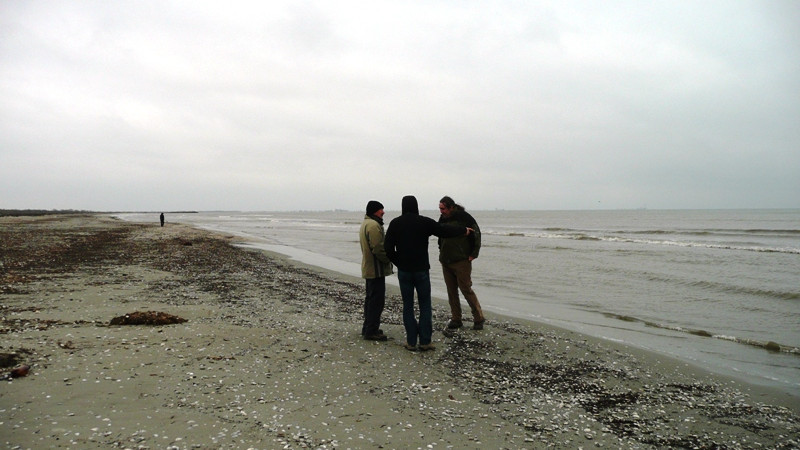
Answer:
(270, 356)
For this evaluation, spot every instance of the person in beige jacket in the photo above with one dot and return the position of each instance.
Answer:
(375, 266)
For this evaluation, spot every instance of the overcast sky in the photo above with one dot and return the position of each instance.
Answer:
(318, 105)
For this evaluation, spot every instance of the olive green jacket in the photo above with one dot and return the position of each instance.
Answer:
(374, 262)
(459, 248)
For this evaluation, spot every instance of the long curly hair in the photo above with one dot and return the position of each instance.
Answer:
(448, 202)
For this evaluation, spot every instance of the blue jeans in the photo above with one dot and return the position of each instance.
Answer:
(421, 281)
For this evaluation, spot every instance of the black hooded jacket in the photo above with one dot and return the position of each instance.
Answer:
(406, 240)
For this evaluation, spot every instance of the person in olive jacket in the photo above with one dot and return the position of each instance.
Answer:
(375, 266)
(406, 246)
(456, 255)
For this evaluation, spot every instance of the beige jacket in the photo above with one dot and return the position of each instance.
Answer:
(374, 262)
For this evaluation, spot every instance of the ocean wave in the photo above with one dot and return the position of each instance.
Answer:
(715, 231)
(708, 245)
(756, 292)
(583, 236)
(683, 231)
(728, 288)
(766, 345)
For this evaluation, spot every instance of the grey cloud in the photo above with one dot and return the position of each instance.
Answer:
(315, 105)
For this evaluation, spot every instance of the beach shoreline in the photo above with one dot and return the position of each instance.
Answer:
(673, 295)
(271, 355)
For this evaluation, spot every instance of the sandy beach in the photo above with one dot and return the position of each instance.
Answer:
(268, 354)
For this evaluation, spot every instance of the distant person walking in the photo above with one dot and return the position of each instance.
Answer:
(406, 246)
(456, 255)
(375, 266)
(162, 219)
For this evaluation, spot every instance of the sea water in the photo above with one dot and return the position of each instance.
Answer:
(717, 288)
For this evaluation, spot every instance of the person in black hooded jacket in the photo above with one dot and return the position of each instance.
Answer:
(406, 245)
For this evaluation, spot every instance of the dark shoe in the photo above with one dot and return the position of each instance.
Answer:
(452, 325)
(478, 325)
(376, 337)
(411, 348)
(426, 347)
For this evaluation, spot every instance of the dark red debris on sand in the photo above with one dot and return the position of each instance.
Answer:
(147, 318)
(21, 371)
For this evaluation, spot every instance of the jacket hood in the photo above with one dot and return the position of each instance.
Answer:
(455, 216)
(458, 213)
(410, 205)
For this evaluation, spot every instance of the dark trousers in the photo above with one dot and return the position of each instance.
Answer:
(422, 329)
(458, 276)
(373, 305)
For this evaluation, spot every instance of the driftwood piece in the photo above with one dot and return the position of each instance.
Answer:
(147, 318)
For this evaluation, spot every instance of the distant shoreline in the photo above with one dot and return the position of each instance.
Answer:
(49, 212)
(44, 212)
